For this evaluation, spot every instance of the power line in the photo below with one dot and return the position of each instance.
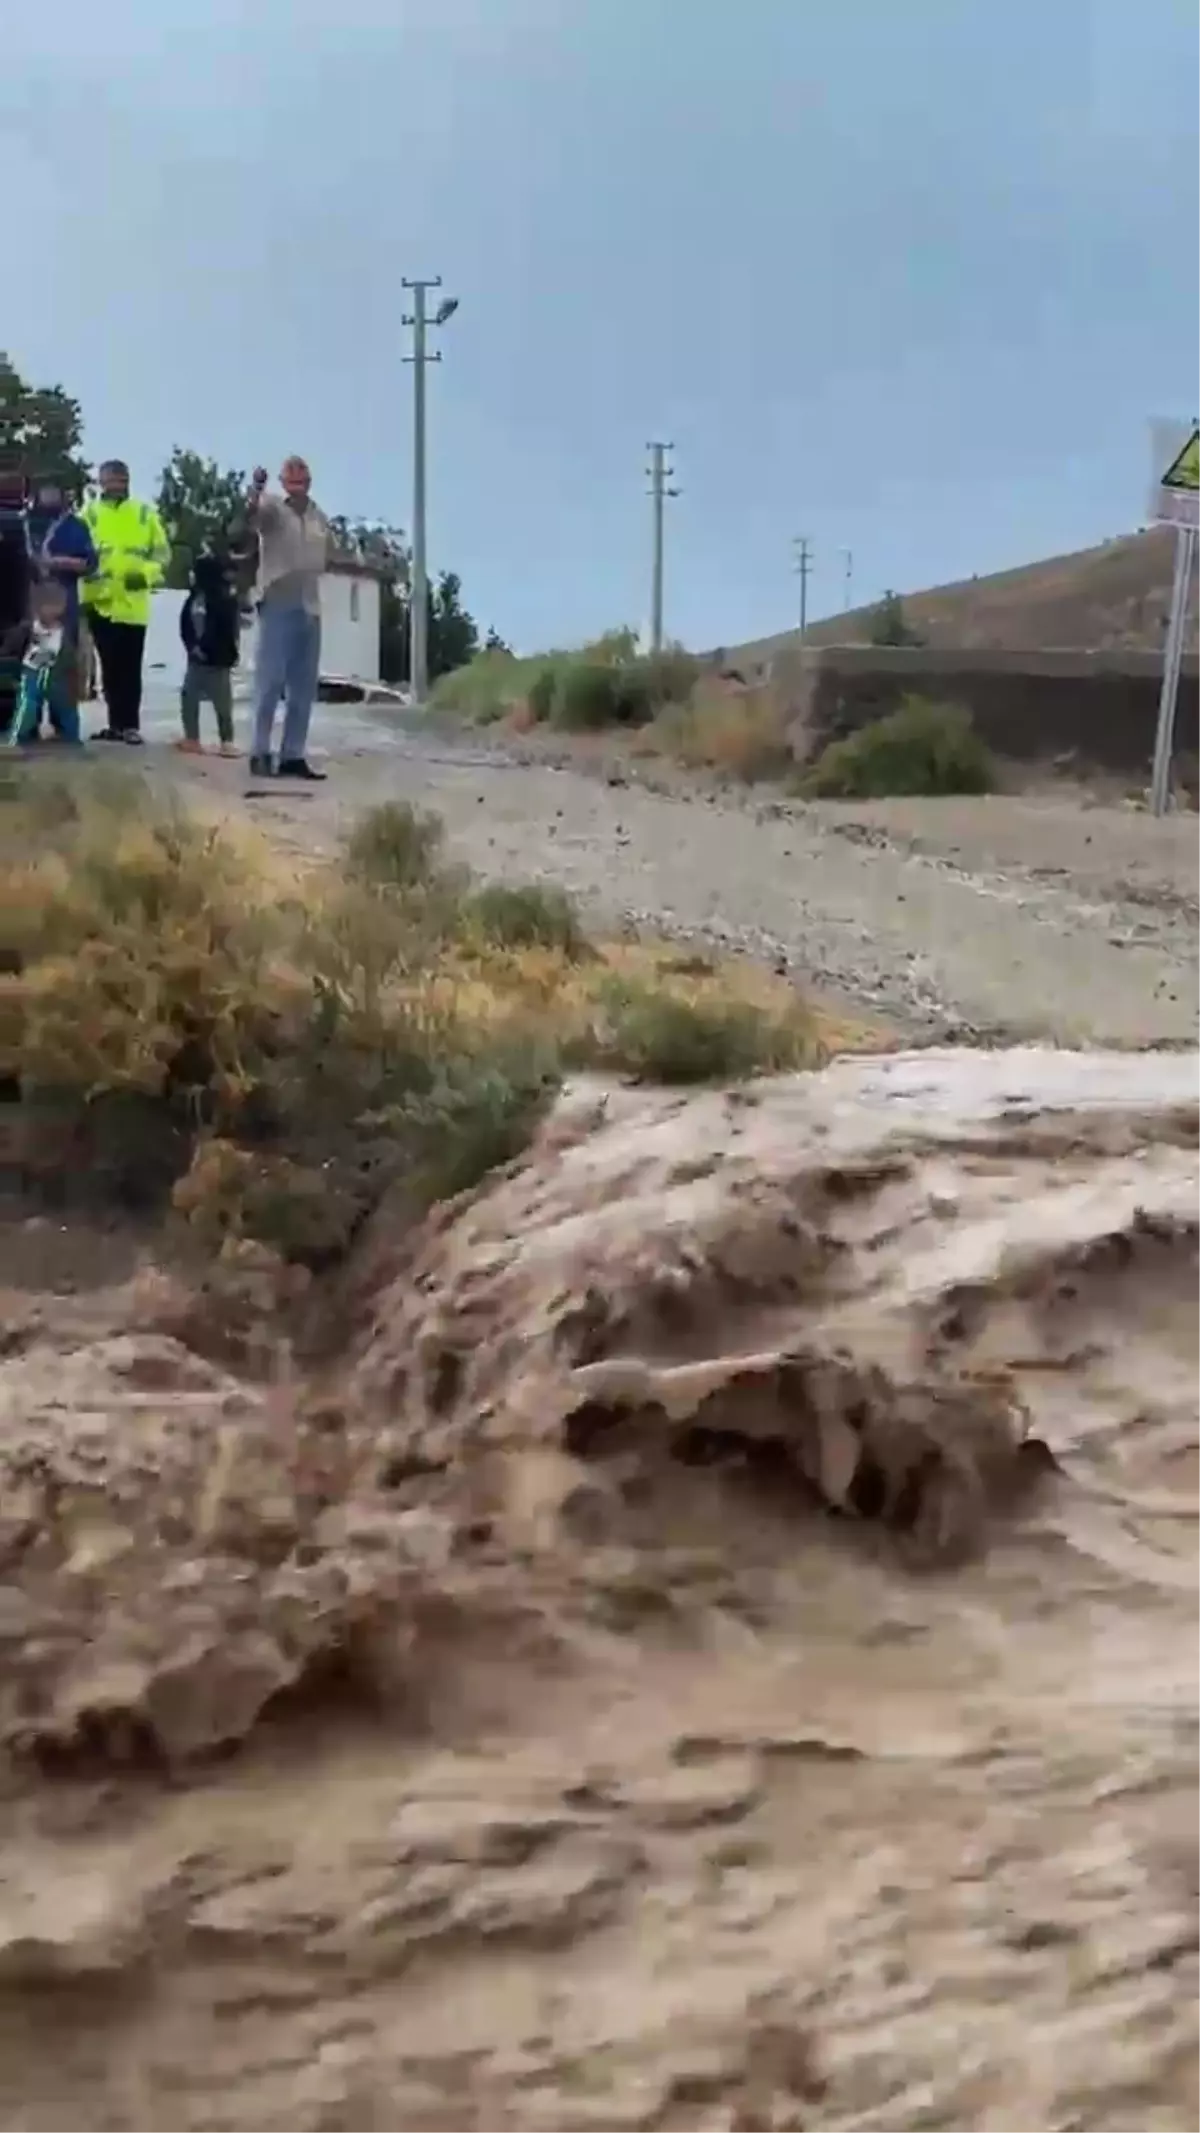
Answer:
(418, 612)
(660, 478)
(803, 566)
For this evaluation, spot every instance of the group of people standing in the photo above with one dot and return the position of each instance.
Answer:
(92, 572)
(84, 581)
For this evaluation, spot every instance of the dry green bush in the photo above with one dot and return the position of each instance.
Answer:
(185, 1014)
(736, 733)
(672, 675)
(605, 683)
(590, 695)
(174, 987)
(658, 1035)
(923, 748)
(524, 915)
(396, 846)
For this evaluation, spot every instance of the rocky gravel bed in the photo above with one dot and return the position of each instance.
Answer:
(1009, 917)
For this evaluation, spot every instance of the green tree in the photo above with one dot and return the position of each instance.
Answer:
(453, 633)
(889, 624)
(494, 642)
(199, 504)
(41, 431)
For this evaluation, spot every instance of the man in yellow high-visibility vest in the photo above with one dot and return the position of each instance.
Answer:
(133, 552)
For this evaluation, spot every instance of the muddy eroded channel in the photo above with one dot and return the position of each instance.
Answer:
(713, 1645)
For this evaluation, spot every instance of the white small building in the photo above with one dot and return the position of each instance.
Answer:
(350, 600)
(350, 603)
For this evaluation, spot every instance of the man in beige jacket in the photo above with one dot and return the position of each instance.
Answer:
(294, 543)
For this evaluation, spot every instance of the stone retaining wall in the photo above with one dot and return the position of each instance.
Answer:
(1099, 707)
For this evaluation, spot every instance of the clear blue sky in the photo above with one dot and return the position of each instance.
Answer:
(908, 276)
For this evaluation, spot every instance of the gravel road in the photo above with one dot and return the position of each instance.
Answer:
(1000, 917)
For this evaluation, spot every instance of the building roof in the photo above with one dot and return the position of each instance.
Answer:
(347, 565)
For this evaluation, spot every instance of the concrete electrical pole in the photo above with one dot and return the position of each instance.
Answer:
(803, 565)
(660, 475)
(418, 612)
(848, 581)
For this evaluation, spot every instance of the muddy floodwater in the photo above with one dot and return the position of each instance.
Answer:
(708, 1639)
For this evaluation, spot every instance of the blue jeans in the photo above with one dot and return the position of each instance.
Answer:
(289, 658)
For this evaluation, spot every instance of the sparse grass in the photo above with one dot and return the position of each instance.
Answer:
(738, 734)
(524, 915)
(923, 748)
(188, 1014)
(395, 846)
(660, 1035)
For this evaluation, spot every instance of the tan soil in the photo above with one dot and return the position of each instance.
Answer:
(714, 1644)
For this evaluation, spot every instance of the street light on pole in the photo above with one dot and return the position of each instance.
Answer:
(418, 654)
(660, 489)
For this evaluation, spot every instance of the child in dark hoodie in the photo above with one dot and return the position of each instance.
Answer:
(208, 625)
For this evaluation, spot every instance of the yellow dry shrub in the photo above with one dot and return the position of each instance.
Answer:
(313, 1034)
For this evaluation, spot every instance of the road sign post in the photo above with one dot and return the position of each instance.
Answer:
(1175, 501)
(1164, 739)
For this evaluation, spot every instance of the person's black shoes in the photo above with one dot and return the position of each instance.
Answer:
(297, 766)
(131, 738)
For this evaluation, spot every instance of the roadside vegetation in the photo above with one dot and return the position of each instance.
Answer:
(739, 734)
(189, 1020)
(672, 706)
(607, 683)
(665, 704)
(922, 748)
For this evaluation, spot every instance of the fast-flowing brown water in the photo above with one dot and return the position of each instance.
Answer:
(718, 1647)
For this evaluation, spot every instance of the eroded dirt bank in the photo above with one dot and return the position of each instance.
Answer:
(716, 1646)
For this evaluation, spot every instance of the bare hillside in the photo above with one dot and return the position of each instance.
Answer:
(1115, 597)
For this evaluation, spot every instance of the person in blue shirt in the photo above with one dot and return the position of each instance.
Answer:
(16, 581)
(64, 554)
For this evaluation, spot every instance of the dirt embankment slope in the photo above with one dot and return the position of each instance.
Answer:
(1110, 598)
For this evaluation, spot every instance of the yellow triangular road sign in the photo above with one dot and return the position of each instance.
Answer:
(1184, 470)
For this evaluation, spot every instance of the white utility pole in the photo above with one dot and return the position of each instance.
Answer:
(660, 476)
(418, 613)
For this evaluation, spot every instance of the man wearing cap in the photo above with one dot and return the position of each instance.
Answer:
(132, 554)
(294, 546)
